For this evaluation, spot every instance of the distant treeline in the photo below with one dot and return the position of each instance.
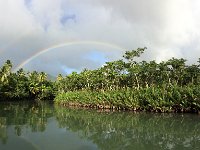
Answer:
(24, 86)
(123, 84)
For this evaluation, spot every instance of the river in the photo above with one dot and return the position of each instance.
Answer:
(46, 126)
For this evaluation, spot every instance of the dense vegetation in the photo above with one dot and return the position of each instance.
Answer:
(128, 84)
(123, 84)
(24, 86)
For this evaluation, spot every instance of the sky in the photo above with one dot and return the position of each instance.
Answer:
(61, 36)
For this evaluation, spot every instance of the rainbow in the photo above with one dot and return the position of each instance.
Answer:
(63, 45)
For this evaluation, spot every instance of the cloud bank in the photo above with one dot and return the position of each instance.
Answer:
(167, 28)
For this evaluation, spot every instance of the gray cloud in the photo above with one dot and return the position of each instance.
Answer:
(167, 28)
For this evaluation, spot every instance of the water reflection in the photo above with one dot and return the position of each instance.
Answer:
(133, 131)
(22, 115)
(44, 125)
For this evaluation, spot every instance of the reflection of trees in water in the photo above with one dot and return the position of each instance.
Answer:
(112, 130)
(23, 115)
(133, 131)
(3, 133)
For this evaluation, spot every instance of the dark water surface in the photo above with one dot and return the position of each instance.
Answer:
(45, 126)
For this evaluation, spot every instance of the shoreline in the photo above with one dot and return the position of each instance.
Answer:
(101, 108)
(169, 100)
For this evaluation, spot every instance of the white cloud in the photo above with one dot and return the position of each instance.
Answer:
(167, 28)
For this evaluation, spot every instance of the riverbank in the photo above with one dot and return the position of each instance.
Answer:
(153, 99)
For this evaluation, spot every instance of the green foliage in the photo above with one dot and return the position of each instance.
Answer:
(21, 85)
(130, 55)
(123, 84)
(122, 74)
(128, 84)
(156, 99)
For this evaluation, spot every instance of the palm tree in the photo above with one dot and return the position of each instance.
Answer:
(5, 72)
(42, 77)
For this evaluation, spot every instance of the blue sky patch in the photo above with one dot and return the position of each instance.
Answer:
(28, 3)
(66, 18)
(96, 56)
(68, 70)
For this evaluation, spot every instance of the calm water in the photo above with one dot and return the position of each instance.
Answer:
(44, 126)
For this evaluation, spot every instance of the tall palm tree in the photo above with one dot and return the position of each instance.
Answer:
(5, 72)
